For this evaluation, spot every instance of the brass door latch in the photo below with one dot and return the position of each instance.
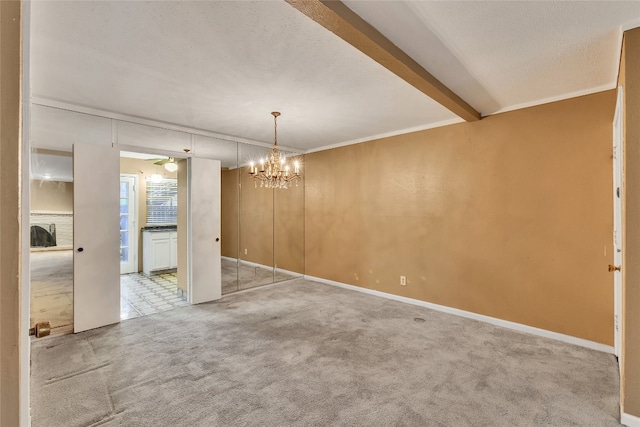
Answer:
(614, 267)
(42, 329)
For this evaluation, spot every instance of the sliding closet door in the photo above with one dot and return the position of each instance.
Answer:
(96, 236)
(204, 230)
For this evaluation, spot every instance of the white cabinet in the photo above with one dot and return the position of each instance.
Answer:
(159, 250)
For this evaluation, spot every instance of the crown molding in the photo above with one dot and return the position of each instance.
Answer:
(388, 134)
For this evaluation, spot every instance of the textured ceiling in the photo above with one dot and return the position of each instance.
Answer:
(501, 55)
(224, 66)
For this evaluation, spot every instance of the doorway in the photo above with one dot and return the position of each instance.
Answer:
(148, 235)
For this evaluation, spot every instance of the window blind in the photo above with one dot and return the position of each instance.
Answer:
(162, 201)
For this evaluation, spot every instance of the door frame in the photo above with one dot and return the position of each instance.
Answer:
(618, 193)
(133, 223)
(24, 341)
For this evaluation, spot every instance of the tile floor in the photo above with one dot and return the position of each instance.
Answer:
(141, 295)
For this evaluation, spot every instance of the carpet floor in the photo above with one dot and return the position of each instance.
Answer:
(302, 353)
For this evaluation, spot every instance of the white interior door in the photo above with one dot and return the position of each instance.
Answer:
(128, 225)
(617, 222)
(204, 276)
(96, 264)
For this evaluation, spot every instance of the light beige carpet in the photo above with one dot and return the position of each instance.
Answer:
(306, 354)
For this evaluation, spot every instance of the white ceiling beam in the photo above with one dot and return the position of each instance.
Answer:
(336, 17)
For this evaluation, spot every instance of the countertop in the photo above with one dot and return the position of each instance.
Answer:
(159, 228)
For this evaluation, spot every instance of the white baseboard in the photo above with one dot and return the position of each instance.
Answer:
(265, 286)
(469, 315)
(629, 420)
(266, 267)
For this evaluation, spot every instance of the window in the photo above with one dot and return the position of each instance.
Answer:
(162, 201)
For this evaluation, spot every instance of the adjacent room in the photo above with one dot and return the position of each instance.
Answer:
(310, 213)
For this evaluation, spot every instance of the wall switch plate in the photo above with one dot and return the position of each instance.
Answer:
(403, 280)
(245, 251)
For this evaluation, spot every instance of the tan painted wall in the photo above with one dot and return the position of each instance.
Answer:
(143, 169)
(54, 196)
(10, 246)
(509, 217)
(630, 79)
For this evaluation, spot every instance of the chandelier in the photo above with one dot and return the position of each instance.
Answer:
(274, 171)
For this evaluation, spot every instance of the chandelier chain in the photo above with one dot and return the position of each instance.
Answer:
(275, 130)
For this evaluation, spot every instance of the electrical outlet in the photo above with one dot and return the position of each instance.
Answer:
(245, 251)
(403, 280)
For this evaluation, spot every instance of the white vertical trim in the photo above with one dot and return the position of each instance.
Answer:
(24, 341)
(189, 274)
(629, 420)
(114, 133)
(474, 316)
(133, 229)
(618, 232)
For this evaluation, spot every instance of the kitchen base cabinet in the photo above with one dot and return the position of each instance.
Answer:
(159, 250)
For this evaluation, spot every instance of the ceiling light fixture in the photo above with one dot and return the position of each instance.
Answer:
(171, 165)
(156, 177)
(274, 171)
